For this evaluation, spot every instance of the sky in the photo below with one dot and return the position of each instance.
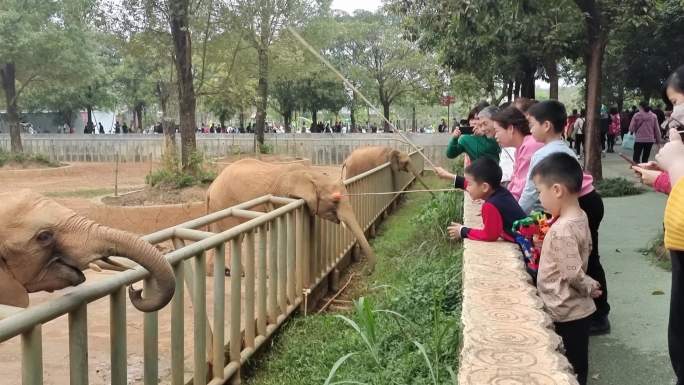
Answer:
(352, 5)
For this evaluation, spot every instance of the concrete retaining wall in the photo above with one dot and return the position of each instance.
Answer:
(507, 336)
(322, 149)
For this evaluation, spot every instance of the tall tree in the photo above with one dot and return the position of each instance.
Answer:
(42, 42)
(179, 20)
(264, 21)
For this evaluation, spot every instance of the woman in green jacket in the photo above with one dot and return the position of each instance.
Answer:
(478, 144)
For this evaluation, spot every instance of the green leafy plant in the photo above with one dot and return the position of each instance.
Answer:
(172, 176)
(266, 148)
(657, 252)
(617, 187)
(21, 158)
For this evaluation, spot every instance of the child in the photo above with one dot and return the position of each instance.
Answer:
(562, 282)
(499, 211)
(547, 120)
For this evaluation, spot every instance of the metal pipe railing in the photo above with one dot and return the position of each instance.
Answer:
(284, 252)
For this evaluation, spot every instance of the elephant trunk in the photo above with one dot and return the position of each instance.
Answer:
(419, 178)
(346, 215)
(83, 241)
(162, 283)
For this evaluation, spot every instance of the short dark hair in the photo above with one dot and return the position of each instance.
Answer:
(524, 104)
(676, 80)
(613, 110)
(551, 111)
(645, 106)
(560, 168)
(485, 170)
(511, 116)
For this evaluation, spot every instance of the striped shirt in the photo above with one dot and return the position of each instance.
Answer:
(674, 218)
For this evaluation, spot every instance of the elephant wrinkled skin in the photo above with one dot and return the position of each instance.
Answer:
(44, 246)
(250, 178)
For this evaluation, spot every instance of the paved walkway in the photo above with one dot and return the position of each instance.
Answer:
(635, 353)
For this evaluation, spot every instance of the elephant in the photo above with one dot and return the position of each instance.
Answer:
(367, 158)
(44, 246)
(248, 179)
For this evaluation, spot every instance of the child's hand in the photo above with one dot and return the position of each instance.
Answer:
(444, 174)
(596, 290)
(455, 231)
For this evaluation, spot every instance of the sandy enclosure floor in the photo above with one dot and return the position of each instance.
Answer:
(74, 186)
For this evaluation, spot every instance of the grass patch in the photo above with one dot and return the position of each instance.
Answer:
(657, 253)
(405, 330)
(617, 187)
(8, 158)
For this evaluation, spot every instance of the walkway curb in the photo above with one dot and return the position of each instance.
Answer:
(507, 337)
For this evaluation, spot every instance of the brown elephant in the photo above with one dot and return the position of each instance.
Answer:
(44, 246)
(250, 178)
(367, 158)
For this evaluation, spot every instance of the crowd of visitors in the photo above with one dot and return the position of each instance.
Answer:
(548, 176)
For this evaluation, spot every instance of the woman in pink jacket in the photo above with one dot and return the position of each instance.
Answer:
(513, 130)
(646, 131)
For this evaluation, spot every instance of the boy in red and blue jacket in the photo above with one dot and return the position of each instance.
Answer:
(500, 209)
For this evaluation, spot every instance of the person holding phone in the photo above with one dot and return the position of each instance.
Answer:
(477, 144)
(651, 173)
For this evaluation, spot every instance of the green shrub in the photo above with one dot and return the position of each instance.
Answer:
(617, 187)
(266, 148)
(173, 176)
(657, 252)
(21, 158)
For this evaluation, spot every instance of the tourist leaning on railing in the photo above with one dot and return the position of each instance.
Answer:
(500, 210)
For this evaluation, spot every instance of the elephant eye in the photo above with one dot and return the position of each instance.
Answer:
(45, 237)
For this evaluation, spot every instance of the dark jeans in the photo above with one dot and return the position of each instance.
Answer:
(611, 142)
(675, 330)
(579, 142)
(575, 335)
(592, 204)
(642, 151)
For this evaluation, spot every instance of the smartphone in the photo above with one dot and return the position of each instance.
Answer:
(627, 159)
(466, 130)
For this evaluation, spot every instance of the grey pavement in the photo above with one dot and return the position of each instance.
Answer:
(635, 352)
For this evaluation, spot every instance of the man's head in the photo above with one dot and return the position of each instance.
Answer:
(547, 120)
(483, 176)
(558, 178)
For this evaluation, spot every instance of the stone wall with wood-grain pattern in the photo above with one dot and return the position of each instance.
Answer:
(508, 338)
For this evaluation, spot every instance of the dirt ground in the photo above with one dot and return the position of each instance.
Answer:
(80, 186)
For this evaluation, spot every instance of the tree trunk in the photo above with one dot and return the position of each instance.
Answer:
(552, 72)
(527, 87)
(139, 117)
(352, 112)
(314, 116)
(180, 30)
(262, 95)
(621, 99)
(516, 90)
(597, 39)
(168, 127)
(414, 122)
(242, 120)
(90, 126)
(287, 117)
(386, 114)
(8, 74)
(509, 93)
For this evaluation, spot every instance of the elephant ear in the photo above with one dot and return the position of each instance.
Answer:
(394, 160)
(12, 292)
(301, 185)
